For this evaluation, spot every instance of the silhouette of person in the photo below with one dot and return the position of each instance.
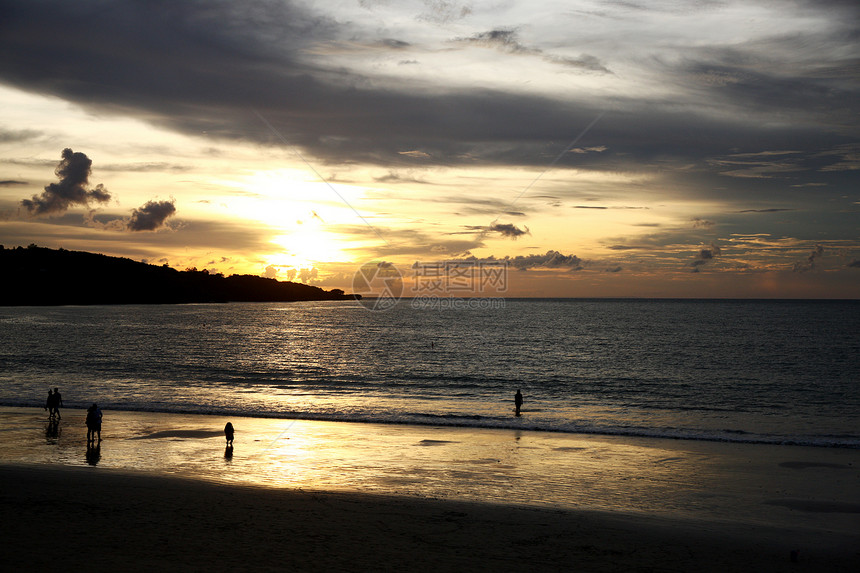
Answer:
(49, 404)
(228, 433)
(55, 402)
(518, 402)
(94, 423)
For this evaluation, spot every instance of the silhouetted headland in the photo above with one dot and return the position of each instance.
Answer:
(41, 276)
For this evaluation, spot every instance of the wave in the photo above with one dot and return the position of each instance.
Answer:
(850, 441)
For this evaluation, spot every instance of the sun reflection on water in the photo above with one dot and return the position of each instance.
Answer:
(505, 466)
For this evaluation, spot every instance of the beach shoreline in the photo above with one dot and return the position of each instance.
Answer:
(85, 518)
(162, 490)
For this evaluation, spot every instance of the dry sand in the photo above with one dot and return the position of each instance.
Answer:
(97, 519)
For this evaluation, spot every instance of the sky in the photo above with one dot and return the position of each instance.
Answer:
(581, 148)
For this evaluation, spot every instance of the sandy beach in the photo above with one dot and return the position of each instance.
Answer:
(323, 496)
(76, 519)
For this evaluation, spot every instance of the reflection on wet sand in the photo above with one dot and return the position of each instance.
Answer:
(94, 453)
(658, 477)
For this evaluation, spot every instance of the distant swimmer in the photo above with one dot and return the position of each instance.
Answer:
(518, 401)
(228, 433)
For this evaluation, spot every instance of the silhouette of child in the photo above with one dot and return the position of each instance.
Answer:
(228, 433)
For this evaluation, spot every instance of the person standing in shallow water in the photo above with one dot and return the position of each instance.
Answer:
(228, 433)
(518, 402)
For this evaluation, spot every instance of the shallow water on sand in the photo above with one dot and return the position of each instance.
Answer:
(777, 485)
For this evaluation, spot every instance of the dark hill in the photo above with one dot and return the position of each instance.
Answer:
(40, 276)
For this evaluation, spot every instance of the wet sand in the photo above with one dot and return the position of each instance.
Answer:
(78, 519)
(323, 496)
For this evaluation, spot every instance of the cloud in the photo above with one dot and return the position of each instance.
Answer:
(11, 183)
(603, 208)
(73, 188)
(508, 230)
(444, 11)
(395, 44)
(699, 223)
(151, 216)
(199, 70)
(506, 40)
(809, 263)
(705, 255)
(550, 260)
(414, 153)
(855, 264)
(18, 135)
(308, 275)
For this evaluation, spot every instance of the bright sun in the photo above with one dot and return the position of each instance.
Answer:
(306, 247)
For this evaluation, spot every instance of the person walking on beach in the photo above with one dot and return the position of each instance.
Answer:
(94, 423)
(55, 401)
(51, 404)
(228, 433)
(518, 402)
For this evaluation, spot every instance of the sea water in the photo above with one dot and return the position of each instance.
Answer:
(780, 372)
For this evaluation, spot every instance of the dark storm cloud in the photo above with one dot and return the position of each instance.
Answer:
(151, 216)
(203, 67)
(11, 183)
(72, 189)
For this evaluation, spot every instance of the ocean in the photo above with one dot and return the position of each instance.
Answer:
(776, 372)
